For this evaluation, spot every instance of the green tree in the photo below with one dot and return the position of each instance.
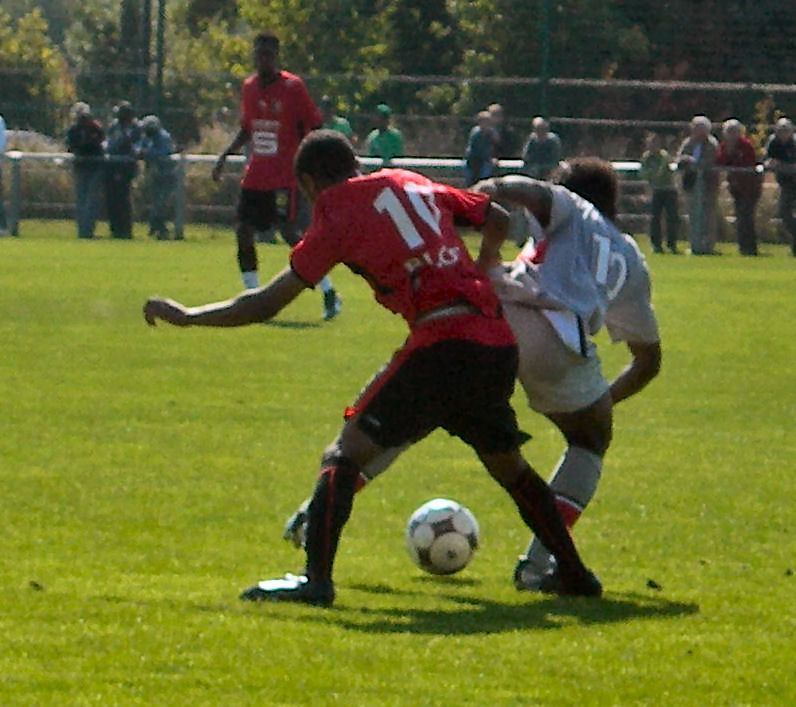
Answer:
(37, 90)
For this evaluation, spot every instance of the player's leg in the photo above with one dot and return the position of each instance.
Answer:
(327, 513)
(536, 505)
(574, 481)
(570, 390)
(485, 420)
(374, 424)
(295, 529)
(256, 212)
(295, 221)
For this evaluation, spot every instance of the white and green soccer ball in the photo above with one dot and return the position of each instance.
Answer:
(441, 536)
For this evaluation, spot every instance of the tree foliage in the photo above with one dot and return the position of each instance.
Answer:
(37, 89)
(349, 47)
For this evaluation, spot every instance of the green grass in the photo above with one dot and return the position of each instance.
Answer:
(146, 473)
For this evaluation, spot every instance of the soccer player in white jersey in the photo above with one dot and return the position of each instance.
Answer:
(576, 274)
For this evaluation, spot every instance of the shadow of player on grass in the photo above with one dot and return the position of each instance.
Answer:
(476, 614)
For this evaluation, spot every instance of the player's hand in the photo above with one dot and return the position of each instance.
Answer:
(166, 309)
(218, 168)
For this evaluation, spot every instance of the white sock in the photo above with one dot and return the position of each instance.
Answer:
(574, 483)
(249, 279)
(325, 284)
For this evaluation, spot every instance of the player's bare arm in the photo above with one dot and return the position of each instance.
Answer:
(493, 233)
(522, 191)
(238, 141)
(249, 307)
(643, 367)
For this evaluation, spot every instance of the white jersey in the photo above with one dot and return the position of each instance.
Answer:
(583, 272)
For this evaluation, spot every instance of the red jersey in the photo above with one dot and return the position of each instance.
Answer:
(276, 117)
(396, 229)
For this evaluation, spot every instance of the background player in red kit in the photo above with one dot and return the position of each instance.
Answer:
(276, 111)
(456, 369)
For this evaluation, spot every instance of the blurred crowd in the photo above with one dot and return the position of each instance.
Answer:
(688, 178)
(694, 173)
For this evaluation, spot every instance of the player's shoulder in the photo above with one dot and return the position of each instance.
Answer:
(291, 80)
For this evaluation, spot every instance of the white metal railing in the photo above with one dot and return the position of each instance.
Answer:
(434, 165)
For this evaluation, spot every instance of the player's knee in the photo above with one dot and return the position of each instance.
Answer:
(595, 439)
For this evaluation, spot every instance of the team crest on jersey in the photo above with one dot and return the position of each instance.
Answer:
(274, 107)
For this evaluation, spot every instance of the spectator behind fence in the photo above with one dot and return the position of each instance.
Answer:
(479, 157)
(507, 144)
(3, 221)
(124, 136)
(780, 156)
(161, 173)
(384, 140)
(656, 170)
(84, 140)
(743, 181)
(696, 160)
(333, 121)
(542, 151)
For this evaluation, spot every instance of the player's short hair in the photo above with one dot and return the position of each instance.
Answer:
(266, 37)
(593, 179)
(326, 155)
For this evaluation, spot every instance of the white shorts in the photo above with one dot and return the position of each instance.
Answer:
(555, 378)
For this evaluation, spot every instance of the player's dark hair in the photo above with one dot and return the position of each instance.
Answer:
(266, 38)
(593, 179)
(327, 156)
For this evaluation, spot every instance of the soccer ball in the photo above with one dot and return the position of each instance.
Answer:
(441, 536)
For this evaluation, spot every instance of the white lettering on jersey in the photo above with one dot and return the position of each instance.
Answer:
(421, 198)
(265, 137)
(610, 267)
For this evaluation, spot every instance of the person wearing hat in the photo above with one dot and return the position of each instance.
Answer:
(124, 134)
(781, 159)
(384, 140)
(84, 140)
(156, 150)
(333, 121)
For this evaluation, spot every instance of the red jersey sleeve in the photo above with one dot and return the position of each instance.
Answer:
(318, 251)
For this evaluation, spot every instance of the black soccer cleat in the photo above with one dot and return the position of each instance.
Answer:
(332, 304)
(527, 576)
(587, 585)
(295, 588)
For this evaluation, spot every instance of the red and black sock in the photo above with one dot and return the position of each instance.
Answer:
(537, 507)
(327, 513)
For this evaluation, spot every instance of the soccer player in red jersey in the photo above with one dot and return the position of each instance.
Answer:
(276, 111)
(456, 369)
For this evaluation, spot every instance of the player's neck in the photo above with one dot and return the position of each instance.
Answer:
(264, 80)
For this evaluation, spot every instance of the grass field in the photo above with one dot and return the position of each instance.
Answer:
(146, 475)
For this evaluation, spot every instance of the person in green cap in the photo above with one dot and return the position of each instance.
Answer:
(333, 121)
(384, 140)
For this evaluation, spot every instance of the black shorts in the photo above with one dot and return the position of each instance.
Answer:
(462, 386)
(263, 210)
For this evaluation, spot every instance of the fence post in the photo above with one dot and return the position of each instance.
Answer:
(179, 199)
(16, 192)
